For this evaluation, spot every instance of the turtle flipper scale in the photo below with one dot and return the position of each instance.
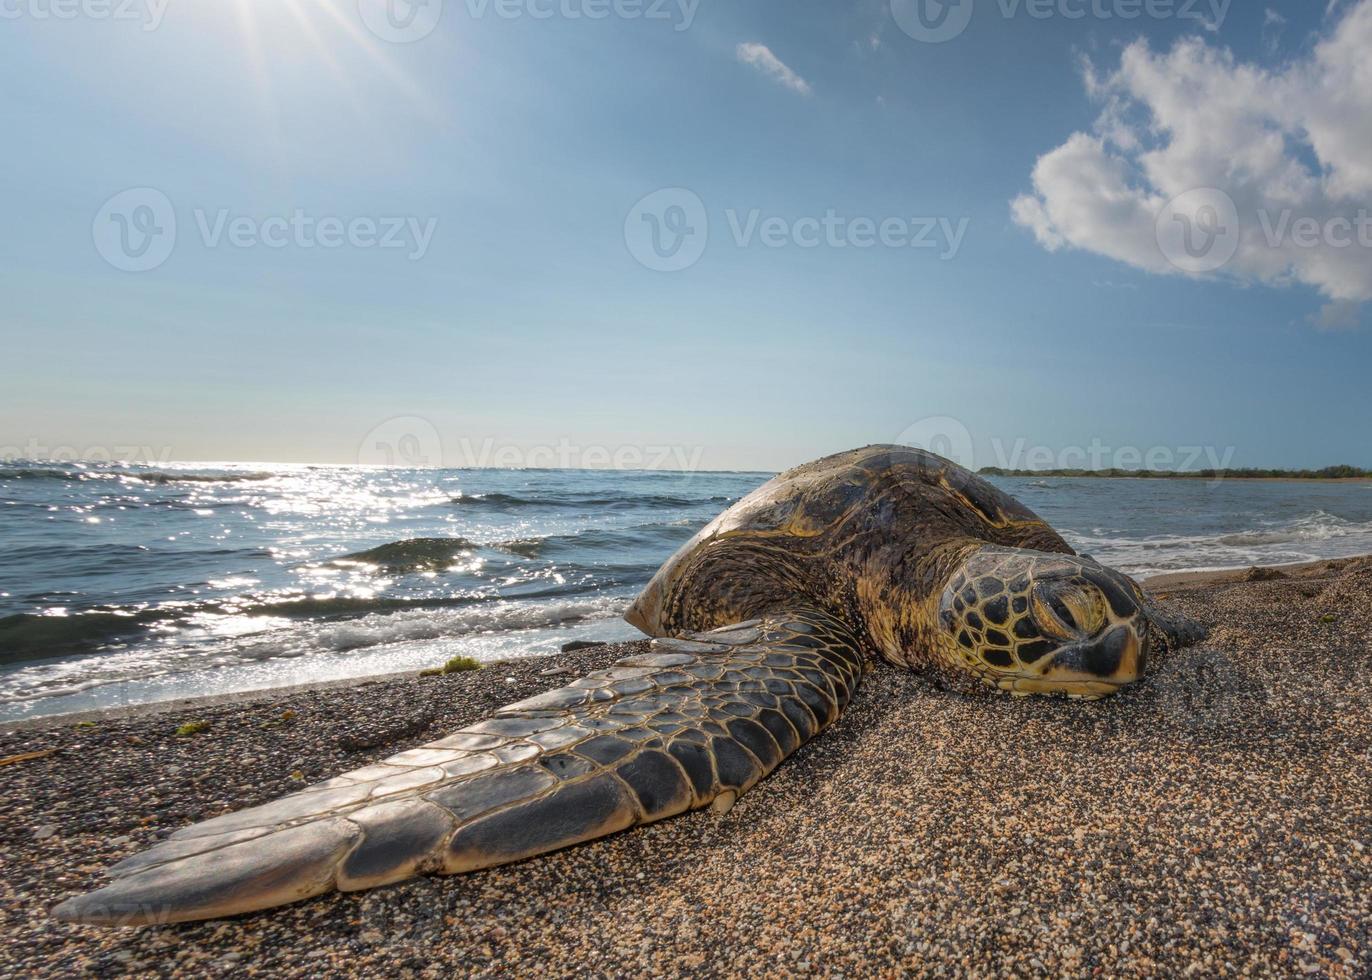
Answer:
(694, 720)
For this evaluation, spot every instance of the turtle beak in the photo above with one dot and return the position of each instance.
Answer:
(1119, 656)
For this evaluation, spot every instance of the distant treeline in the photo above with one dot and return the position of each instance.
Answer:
(1328, 473)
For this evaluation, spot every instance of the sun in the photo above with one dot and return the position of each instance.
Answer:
(281, 38)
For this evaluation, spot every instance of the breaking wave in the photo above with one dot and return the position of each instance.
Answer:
(507, 501)
(152, 574)
(1312, 536)
(608, 541)
(28, 637)
(349, 637)
(412, 554)
(141, 476)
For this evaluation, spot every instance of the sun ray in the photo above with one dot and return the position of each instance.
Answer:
(324, 52)
(419, 98)
(260, 69)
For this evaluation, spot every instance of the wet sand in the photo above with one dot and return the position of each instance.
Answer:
(1216, 818)
(1257, 573)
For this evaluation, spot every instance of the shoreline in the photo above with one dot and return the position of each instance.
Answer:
(1223, 576)
(177, 705)
(1167, 582)
(1213, 817)
(1030, 475)
(194, 465)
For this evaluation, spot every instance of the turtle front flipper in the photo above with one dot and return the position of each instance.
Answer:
(693, 721)
(1176, 630)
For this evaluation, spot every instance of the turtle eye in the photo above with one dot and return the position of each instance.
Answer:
(1055, 612)
(1055, 622)
(1087, 607)
(1066, 611)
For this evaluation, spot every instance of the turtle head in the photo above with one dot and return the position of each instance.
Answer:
(1032, 622)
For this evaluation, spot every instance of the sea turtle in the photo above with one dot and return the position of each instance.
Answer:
(765, 619)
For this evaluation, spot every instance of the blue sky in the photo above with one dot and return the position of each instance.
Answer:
(523, 144)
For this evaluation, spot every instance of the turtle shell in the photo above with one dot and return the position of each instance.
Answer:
(807, 530)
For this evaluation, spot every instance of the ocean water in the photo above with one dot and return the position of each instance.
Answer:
(128, 584)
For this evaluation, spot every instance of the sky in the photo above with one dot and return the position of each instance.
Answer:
(687, 232)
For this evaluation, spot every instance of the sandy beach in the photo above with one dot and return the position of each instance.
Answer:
(1214, 819)
(440, 434)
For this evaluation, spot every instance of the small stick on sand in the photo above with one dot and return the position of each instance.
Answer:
(10, 760)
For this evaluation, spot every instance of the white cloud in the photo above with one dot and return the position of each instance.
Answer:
(760, 57)
(1292, 147)
(1338, 315)
(1273, 24)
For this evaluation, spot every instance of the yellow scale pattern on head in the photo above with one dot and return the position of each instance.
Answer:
(997, 630)
(999, 635)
